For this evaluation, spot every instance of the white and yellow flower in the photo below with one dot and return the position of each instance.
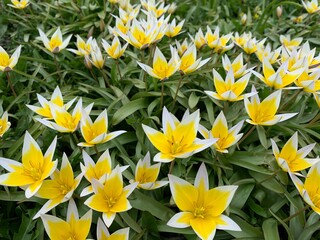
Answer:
(289, 43)
(311, 6)
(84, 48)
(19, 4)
(56, 43)
(4, 123)
(103, 233)
(7, 63)
(114, 50)
(173, 29)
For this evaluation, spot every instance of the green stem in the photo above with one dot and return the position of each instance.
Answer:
(10, 84)
(176, 94)
(296, 213)
(96, 150)
(171, 166)
(315, 119)
(290, 99)
(247, 134)
(118, 68)
(162, 93)
(58, 68)
(105, 77)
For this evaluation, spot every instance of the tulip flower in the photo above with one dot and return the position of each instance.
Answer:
(161, 68)
(96, 133)
(225, 137)
(146, 174)
(84, 48)
(290, 43)
(309, 82)
(96, 56)
(19, 4)
(56, 43)
(173, 29)
(7, 63)
(56, 99)
(59, 188)
(189, 61)
(266, 53)
(34, 168)
(311, 6)
(115, 50)
(219, 44)
(199, 40)
(290, 159)
(4, 124)
(103, 233)
(119, 27)
(110, 198)
(240, 40)
(63, 120)
(309, 190)
(251, 46)
(201, 207)
(178, 139)
(280, 78)
(228, 90)
(172, 8)
(237, 65)
(74, 228)
(182, 47)
(264, 113)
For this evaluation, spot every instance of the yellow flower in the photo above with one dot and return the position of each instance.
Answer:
(201, 207)
(103, 233)
(113, 1)
(199, 40)
(172, 8)
(182, 47)
(4, 123)
(237, 65)
(161, 68)
(56, 43)
(266, 53)
(228, 90)
(240, 40)
(280, 78)
(311, 6)
(157, 9)
(111, 197)
(34, 167)
(63, 120)
(127, 16)
(19, 4)
(288, 43)
(96, 56)
(225, 137)
(7, 63)
(264, 113)
(84, 48)
(56, 99)
(96, 133)
(189, 61)
(309, 190)
(74, 228)
(219, 44)
(178, 139)
(290, 159)
(146, 174)
(243, 19)
(309, 81)
(115, 50)
(173, 29)
(60, 188)
(251, 46)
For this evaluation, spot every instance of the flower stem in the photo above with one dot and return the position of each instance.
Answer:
(105, 77)
(176, 94)
(171, 166)
(315, 119)
(290, 99)
(96, 150)
(296, 213)
(118, 68)
(162, 92)
(10, 84)
(247, 134)
(58, 68)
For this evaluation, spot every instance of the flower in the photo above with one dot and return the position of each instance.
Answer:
(251, 46)
(219, 44)
(96, 56)
(280, 78)
(56, 43)
(243, 19)
(288, 43)
(63, 120)
(96, 133)
(311, 6)
(172, 8)
(111, 197)
(182, 47)
(161, 68)
(178, 139)
(264, 113)
(237, 65)
(7, 63)
(103, 233)
(4, 123)
(201, 207)
(266, 53)
(19, 4)
(34, 167)
(228, 90)
(309, 81)
(173, 29)
(240, 40)
(59, 188)
(56, 99)
(74, 228)
(309, 190)
(189, 61)
(290, 159)
(115, 50)
(146, 175)
(84, 48)
(225, 137)
(199, 40)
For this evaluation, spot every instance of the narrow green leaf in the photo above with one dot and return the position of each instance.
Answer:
(270, 229)
(262, 136)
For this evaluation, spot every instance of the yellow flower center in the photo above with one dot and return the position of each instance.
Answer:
(4, 60)
(176, 146)
(64, 189)
(111, 201)
(55, 43)
(34, 173)
(72, 238)
(199, 212)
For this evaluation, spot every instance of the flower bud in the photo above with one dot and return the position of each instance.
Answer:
(279, 11)
(244, 19)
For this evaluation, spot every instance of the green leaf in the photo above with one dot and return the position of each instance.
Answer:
(270, 229)
(262, 136)
(129, 109)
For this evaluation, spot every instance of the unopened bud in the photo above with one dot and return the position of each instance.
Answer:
(244, 19)
(172, 8)
(279, 11)
(87, 62)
